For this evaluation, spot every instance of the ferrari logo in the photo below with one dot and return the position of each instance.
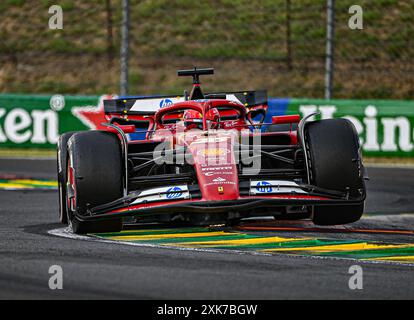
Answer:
(220, 190)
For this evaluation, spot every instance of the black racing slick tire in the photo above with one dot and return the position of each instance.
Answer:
(61, 175)
(95, 158)
(334, 163)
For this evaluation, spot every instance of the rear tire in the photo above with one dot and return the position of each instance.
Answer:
(96, 160)
(61, 175)
(335, 164)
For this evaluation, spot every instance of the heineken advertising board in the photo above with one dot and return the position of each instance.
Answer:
(385, 127)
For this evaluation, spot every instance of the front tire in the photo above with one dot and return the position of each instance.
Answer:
(335, 164)
(95, 176)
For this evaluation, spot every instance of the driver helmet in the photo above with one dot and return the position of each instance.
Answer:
(213, 118)
(193, 119)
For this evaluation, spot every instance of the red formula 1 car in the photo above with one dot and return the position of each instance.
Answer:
(208, 159)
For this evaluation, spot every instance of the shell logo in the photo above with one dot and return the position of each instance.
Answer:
(212, 152)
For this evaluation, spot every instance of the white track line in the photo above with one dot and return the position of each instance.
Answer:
(387, 217)
(66, 233)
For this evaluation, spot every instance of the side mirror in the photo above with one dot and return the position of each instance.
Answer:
(286, 119)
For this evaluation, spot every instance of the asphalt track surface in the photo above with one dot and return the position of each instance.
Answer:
(101, 270)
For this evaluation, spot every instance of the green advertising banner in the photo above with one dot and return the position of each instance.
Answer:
(385, 127)
(28, 121)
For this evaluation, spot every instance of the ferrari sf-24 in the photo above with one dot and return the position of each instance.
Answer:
(208, 159)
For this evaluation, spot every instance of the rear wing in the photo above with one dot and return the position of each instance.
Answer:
(148, 105)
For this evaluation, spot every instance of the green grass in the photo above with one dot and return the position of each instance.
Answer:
(235, 36)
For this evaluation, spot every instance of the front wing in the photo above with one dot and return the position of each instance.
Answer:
(188, 199)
